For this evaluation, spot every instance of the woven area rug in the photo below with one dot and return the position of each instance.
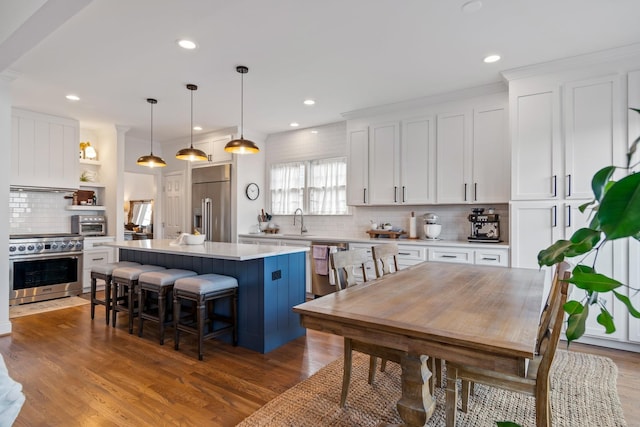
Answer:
(44, 306)
(583, 394)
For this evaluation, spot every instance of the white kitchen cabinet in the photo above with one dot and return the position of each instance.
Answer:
(384, 163)
(418, 161)
(453, 145)
(357, 166)
(94, 254)
(495, 257)
(449, 254)
(44, 150)
(593, 126)
(472, 156)
(392, 163)
(214, 150)
(590, 114)
(634, 282)
(537, 225)
(535, 142)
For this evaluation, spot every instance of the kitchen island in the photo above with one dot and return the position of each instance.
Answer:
(271, 280)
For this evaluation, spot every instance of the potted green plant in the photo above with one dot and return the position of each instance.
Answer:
(614, 214)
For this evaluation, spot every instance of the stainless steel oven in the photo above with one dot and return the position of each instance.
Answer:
(44, 267)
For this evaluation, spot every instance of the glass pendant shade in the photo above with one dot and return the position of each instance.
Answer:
(151, 161)
(191, 154)
(241, 146)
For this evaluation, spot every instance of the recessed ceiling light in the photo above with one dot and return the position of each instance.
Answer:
(309, 102)
(197, 128)
(471, 6)
(294, 124)
(314, 131)
(492, 58)
(187, 44)
(72, 97)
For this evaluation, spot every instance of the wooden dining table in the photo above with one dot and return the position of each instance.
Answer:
(479, 316)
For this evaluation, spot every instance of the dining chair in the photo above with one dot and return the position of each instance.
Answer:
(344, 265)
(385, 260)
(535, 382)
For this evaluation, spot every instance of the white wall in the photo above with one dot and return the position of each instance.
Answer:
(5, 171)
(138, 186)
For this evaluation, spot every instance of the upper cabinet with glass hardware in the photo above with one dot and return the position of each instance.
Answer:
(44, 150)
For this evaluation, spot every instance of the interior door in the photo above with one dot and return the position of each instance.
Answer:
(174, 203)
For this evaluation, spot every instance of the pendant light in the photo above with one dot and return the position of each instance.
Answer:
(151, 160)
(241, 146)
(191, 154)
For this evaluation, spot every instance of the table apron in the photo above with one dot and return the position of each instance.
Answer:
(481, 358)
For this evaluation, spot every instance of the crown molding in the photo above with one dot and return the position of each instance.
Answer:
(488, 89)
(580, 61)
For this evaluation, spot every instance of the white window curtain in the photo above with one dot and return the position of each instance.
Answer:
(328, 186)
(287, 187)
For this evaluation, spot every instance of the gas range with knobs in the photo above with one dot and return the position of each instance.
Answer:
(44, 267)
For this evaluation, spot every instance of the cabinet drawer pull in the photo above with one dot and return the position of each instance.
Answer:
(489, 259)
(465, 191)
(97, 259)
(568, 215)
(448, 256)
(475, 191)
(395, 194)
(569, 185)
(404, 194)
(555, 185)
(554, 219)
(404, 253)
(364, 195)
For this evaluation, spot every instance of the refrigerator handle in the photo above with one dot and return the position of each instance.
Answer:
(206, 218)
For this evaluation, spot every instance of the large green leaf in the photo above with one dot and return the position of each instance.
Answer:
(632, 311)
(583, 241)
(594, 282)
(606, 319)
(554, 253)
(583, 207)
(576, 324)
(600, 180)
(584, 269)
(619, 211)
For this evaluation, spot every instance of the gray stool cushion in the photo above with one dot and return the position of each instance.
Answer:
(165, 277)
(206, 283)
(107, 269)
(133, 273)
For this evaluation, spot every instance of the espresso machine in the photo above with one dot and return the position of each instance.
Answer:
(485, 228)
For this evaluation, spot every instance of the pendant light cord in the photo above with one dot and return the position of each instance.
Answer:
(191, 118)
(151, 142)
(241, 105)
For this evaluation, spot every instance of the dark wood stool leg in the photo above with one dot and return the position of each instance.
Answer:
(114, 288)
(131, 294)
(141, 298)
(161, 311)
(107, 299)
(93, 299)
(176, 321)
(201, 315)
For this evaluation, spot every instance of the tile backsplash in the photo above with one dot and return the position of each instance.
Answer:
(455, 225)
(34, 212)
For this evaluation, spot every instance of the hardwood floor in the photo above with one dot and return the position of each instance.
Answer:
(78, 372)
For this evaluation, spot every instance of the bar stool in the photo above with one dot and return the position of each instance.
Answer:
(124, 290)
(160, 283)
(104, 272)
(203, 291)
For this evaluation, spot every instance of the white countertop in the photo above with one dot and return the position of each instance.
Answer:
(401, 241)
(218, 250)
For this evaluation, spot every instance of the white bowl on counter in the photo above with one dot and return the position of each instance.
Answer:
(194, 239)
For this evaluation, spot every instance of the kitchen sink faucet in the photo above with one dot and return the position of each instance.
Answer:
(303, 229)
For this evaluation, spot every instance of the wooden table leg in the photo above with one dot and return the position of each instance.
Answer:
(452, 395)
(416, 404)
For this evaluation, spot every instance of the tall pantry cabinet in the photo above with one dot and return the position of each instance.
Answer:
(565, 127)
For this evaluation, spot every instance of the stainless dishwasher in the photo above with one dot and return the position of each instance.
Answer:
(320, 284)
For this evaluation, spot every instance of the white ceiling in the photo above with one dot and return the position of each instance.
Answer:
(345, 54)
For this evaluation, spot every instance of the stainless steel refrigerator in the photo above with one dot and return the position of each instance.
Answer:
(211, 202)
